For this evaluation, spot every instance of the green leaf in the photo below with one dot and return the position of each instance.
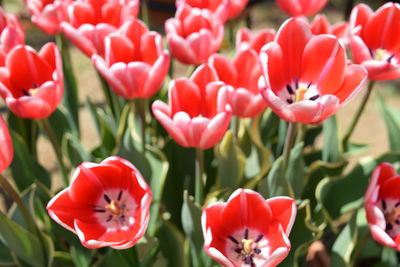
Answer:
(24, 167)
(275, 183)
(27, 129)
(80, 256)
(172, 244)
(392, 119)
(296, 168)
(62, 123)
(5, 255)
(25, 245)
(344, 244)
(28, 197)
(73, 148)
(191, 223)
(231, 162)
(331, 147)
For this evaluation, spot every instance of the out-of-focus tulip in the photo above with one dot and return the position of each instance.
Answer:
(321, 25)
(301, 7)
(382, 205)
(376, 40)
(32, 83)
(308, 78)
(248, 230)
(107, 204)
(6, 151)
(195, 116)
(245, 39)
(242, 75)
(11, 34)
(135, 63)
(90, 21)
(48, 14)
(193, 35)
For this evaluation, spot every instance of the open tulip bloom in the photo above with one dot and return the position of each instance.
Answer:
(32, 83)
(248, 230)
(307, 78)
(245, 39)
(107, 204)
(6, 151)
(195, 116)
(376, 42)
(135, 63)
(301, 7)
(382, 205)
(90, 21)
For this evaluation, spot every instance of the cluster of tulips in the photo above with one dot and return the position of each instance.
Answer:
(293, 81)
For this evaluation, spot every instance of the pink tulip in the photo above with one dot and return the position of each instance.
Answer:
(135, 62)
(48, 14)
(6, 151)
(245, 39)
(195, 116)
(193, 35)
(376, 40)
(90, 21)
(301, 7)
(308, 78)
(242, 75)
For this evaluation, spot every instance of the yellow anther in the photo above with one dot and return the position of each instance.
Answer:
(33, 91)
(247, 245)
(393, 215)
(113, 207)
(300, 93)
(379, 54)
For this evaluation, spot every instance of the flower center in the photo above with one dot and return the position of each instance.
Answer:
(391, 211)
(381, 54)
(248, 249)
(30, 92)
(296, 92)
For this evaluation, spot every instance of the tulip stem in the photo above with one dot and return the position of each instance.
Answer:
(57, 148)
(17, 199)
(199, 187)
(141, 105)
(356, 118)
(237, 127)
(289, 141)
(111, 100)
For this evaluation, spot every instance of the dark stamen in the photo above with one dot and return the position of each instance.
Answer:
(397, 204)
(371, 53)
(238, 250)
(308, 86)
(122, 218)
(296, 82)
(289, 101)
(383, 204)
(119, 195)
(99, 210)
(25, 93)
(233, 240)
(314, 97)
(259, 237)
(109, 218)
(246, 234)
(257, 250)
(107, 198)
(390, 58)
(389, 227)
(289, 89)
(248, 259)
(397, 221)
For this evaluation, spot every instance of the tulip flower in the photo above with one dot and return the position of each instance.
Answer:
(6, 151)
(321, 25)
(193, 35)
(48, 15)
(135, 63)
(11, 34)
(382, 205)
(301, 7)
(106, 204)
(32, 83)
(307, 78)
(90, 21)
(242, 75)
(376, 40)
(246, 39)
(195, 116)
(248, 230)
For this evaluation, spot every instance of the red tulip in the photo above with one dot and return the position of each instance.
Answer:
(301, 7)
(248, 230)
(308, 78)
(242, 75)
(245, 39)
(90, 21)
(6, 151)
(376, 43)
(321, 25)
(193, 35)
(11, 34)
(107, 204)
(382, 206)
(32, 83)
(195, 116)
(135, 63)
(48, 14)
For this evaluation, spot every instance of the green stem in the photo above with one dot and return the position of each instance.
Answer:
(302, 133)
(356, 118)
(57, 149)
(142, 111)
(9, 189)
(232, 35)
(289, 141)
(199, 186)
(110, 98)
(237, 127)
(145, 13)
